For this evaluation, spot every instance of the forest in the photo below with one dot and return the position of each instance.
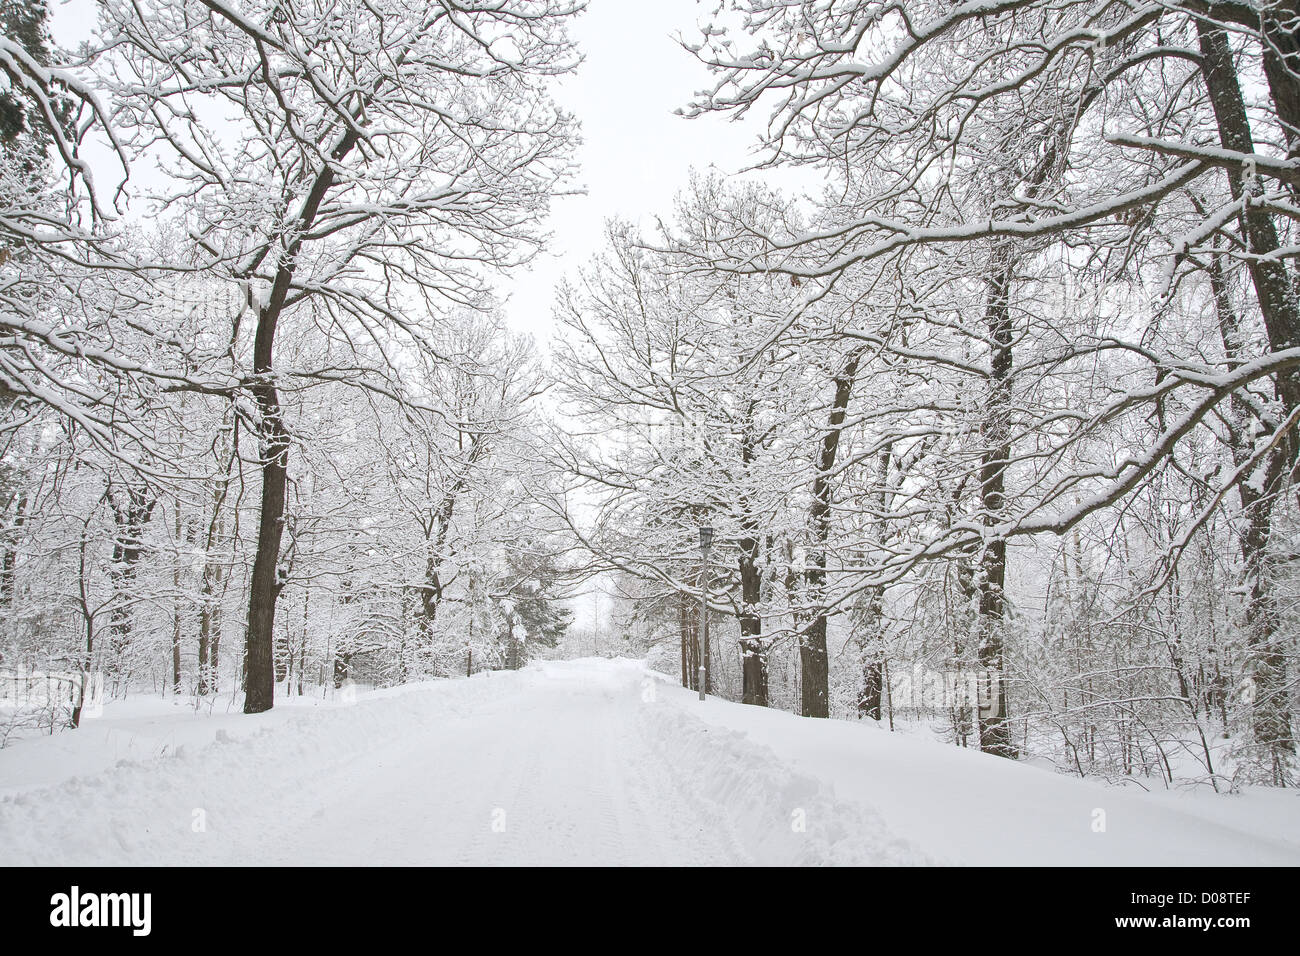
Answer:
(994, 433)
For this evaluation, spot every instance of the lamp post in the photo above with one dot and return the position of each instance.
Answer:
(706, 542)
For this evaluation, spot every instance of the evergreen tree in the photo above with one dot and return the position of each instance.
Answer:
(535, 592)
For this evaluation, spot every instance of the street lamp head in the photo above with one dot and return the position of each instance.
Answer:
(706, 537)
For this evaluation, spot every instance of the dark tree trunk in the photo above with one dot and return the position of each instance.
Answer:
(691, 636)
(990, 578)
(1281, 29)
(430, 593)
(209, 594)
(753, 655)
(813, 659)
(870, 621)
(87, 663)
(214, 658)
(871, 696)
(513, 650)
(302, 641)
(9, 562)
(342, 668)
(176, 653)
(1273, 283)
(684, 632)
(176, 610)
(437, 529)
(209, 625)
(283, 654)
(706, 652)
(265, 584)
(814, 662)
(871, 700)
(130, 516)
(1276, 294)
(1271, 716)
(435, 541)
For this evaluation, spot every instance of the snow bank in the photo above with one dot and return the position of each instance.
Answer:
(965, 807)
(774, 815)
(271, 759)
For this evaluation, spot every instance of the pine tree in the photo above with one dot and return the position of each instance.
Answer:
(535, 590)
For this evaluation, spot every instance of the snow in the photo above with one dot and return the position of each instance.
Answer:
(576, 762)
(966, 807)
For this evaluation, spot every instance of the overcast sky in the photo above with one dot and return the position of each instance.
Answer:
(637, 154)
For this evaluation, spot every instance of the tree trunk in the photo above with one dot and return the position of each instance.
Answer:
(87, 663)
(691, 634)
(991, 572)
(9, 562)
(342, 667)
(302, 642)
(813, 659)
(437, 529)
(684, 633)
(129, 518)
(209, 626)
(1282, 68)
(265, 584)
(1276, 294)
(512, 644)
(283, 654)
(872, 694)
(1274, 288)
(706, 655)
(1270, 713)
(753, 656)
(209, 594)
(870, 621)
(176, 610)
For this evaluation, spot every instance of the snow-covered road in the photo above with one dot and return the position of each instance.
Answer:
(557, 770)
(587, 762)
(581, 762)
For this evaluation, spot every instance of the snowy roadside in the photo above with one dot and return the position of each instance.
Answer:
(75, 799)
(965, 807)
(788, 817)
(144, 727)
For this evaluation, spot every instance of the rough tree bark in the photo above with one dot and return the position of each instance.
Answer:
(870, 617)
(813, 660)
(265, 584)
(1275, 291)
(213, 575)
(177, 530)
(753, 656)
(991, 572)
(684, 634)
(436, 530)
(9, 562)
(130, 516)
